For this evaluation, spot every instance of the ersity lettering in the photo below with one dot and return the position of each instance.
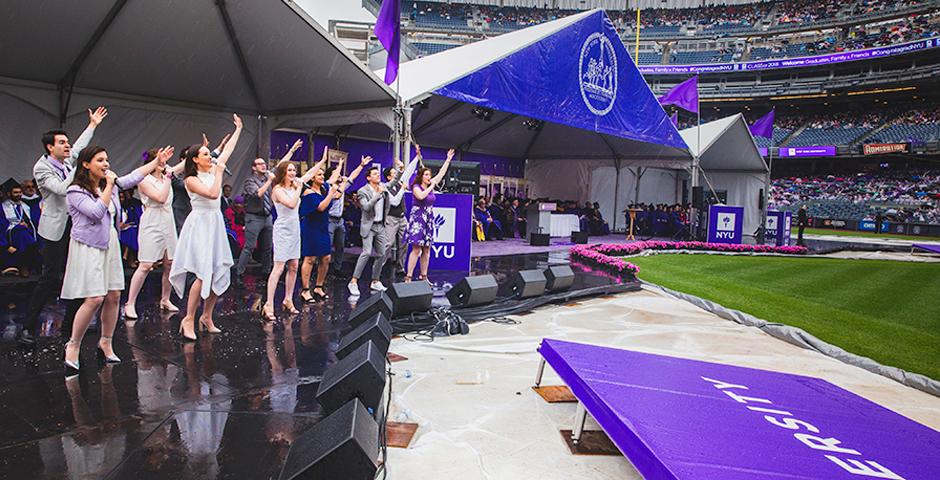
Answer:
(786, 420)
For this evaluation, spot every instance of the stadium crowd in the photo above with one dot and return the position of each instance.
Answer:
(899, 196)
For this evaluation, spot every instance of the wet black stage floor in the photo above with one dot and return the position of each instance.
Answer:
(226, 406)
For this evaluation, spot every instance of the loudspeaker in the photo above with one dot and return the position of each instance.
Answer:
(539, 239)
(367, 309)
(559, 278)
(473, 291)
(376, 330)
(760, 199)
(342, 445)
(527, 283)
(410, 297)
(579, 238)
(361, 374)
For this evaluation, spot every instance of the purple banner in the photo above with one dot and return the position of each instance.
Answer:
(680, 419)
(452, 225)
(725, 224)
(281, 141)
(814, 61)
(821, 151)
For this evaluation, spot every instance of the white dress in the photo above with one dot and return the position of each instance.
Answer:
(157, 232)
(286, 233)
(92, 272)
(203, 248)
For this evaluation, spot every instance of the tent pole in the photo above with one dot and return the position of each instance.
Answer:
(616, 189)
(406, 155)
(636, 48)
(762, 236)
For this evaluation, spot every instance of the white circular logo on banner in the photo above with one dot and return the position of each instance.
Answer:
(597, 71)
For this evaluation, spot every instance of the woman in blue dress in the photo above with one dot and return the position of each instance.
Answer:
(315, 242)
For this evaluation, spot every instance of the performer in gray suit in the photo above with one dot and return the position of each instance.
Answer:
(53, 173)
(374, 201)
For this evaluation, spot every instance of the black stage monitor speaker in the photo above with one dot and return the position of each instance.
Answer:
(361, 374)
(376, 330)
(539, 239)
(342, 445)
(366, 309)
(527, 283)
(473, 291)
(579, 238)
(410, 297)
(559, 278)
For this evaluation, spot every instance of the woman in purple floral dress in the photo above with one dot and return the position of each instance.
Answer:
(420, 233)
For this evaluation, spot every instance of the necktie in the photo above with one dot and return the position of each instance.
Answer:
(19, 212)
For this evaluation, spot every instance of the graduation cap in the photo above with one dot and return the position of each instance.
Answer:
(8, 185)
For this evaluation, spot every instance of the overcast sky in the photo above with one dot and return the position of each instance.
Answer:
(325, 10)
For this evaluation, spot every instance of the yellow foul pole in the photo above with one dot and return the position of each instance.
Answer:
(636, 49)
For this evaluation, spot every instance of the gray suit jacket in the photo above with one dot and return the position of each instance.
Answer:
(368, 198)
(55, 212)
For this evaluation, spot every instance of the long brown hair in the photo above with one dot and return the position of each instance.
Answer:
(82, 176)
(190, 169)
(419, 176)
(280, 173)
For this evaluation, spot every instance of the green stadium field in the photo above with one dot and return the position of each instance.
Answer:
(848, 233)
(886, 310)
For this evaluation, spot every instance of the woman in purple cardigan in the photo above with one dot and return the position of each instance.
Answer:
(94, 271)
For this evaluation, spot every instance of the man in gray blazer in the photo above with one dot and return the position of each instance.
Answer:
(374, 201)
(53, 173)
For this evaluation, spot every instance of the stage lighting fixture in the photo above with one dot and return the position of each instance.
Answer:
(483, 113)
(533, 124)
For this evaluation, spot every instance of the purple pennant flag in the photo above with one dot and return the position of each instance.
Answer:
(683, 95)
(764, 126)
(388, 31)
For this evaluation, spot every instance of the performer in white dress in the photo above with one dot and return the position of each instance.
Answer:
(286, 235)
(203, 248)
(157, 237)
(94, 272)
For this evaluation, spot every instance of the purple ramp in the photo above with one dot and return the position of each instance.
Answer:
(927, 246)
(685, 419)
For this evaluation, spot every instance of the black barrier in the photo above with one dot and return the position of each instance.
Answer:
(914, 229)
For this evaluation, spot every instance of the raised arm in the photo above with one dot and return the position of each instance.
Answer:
(229, 146)
(325, 203)
(337, 172)
(440, 175)
(290, 152)
(355, 173)
(323, 158)
(158, 194)
(94, 119)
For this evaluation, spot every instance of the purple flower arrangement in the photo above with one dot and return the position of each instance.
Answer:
(606, 256)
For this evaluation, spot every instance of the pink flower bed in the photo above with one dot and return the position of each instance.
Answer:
(607, 255)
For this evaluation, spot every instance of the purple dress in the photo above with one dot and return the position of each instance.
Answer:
(421, 224)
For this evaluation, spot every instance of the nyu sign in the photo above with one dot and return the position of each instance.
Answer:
(452, 225)
(778, 227)
(725, 224)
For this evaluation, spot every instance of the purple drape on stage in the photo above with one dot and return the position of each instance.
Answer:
(764, 126)
(388, 31)
(683, 95)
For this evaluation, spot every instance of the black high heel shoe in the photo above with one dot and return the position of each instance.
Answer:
(320, 296)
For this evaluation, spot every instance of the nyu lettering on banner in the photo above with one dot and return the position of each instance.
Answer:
(815, 61)
(725, 224)
(452, 225)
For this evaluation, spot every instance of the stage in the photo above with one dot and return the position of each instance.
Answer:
(227, 406)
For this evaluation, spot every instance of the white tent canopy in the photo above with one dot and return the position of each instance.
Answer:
(169, 71)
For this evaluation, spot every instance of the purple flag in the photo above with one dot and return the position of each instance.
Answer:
(764, 126)
(683, 95)
(388, 31)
